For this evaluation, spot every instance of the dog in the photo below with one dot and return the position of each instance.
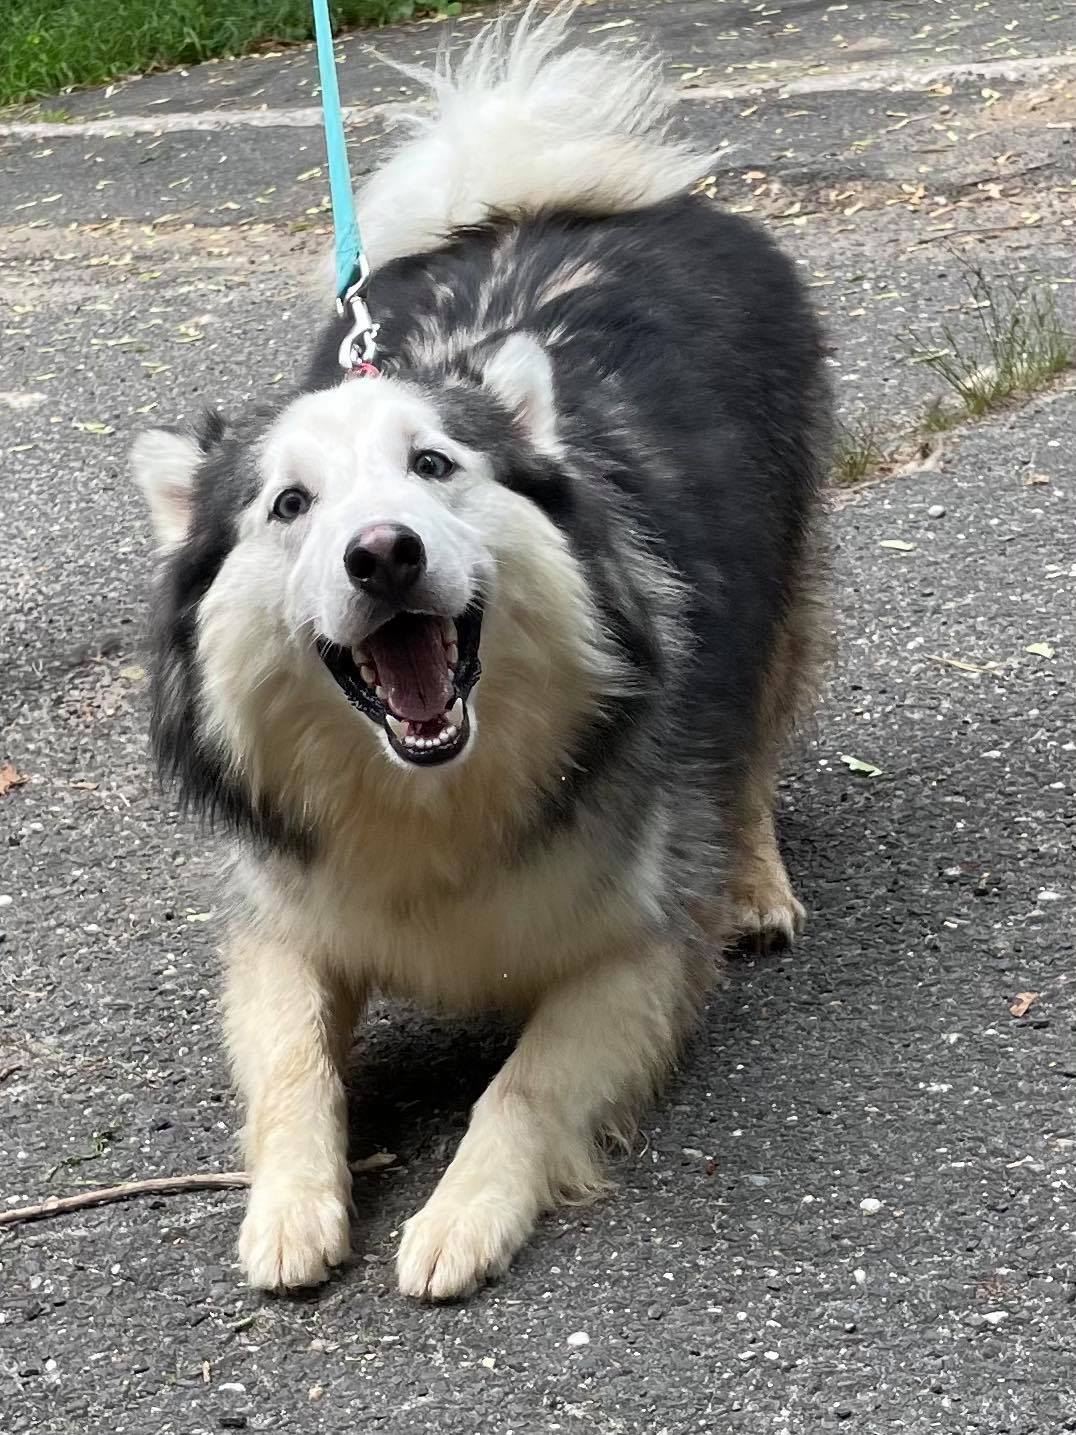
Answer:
(486, 663)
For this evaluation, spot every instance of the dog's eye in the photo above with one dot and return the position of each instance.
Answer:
(430, 464)
(291, 504)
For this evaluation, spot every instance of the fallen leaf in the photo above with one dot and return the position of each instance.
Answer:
(856, 764)
(1036, 480)
(961, 665)
(9, 778)
(377, 1162)
(133, 674)
(1040, 650)
(897, 544)
(1023, 1002)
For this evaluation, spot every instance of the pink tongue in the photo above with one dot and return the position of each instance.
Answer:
(409, 653)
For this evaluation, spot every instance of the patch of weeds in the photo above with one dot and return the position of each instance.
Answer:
(1017, 346)
(55, 116)
(858, 451)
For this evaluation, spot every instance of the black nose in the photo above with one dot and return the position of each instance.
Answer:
(385, 560)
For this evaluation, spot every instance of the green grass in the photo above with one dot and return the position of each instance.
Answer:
(51, 45)
(857, 452)
(1016, 346)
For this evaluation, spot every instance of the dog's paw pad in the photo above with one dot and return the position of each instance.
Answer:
(449, 1249)
(290, 1238)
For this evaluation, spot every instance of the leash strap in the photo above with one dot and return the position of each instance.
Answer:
(359, 348)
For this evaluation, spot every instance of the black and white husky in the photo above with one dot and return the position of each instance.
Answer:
(486, 663)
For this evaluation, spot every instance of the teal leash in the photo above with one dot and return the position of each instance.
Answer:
(359, 348)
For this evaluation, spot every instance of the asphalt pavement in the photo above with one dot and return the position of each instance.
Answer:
(855, 1208)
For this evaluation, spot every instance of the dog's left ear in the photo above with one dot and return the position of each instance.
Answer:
(520, 374)
(164, 462)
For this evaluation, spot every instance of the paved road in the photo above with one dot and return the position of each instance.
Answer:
(738, 1282)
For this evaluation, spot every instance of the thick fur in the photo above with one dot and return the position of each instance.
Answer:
(631, 386)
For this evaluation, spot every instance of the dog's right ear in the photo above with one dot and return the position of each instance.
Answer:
(164, 462)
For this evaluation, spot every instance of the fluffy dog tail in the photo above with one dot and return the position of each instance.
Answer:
(525, 123)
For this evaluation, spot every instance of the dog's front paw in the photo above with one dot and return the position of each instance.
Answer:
(764, 909)
(769, 919)
(454, 1244)
(291, 1235)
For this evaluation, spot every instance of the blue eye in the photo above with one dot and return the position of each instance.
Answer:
(428, 463)
(291, 504)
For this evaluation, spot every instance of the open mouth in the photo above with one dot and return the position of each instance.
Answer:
(413, 676)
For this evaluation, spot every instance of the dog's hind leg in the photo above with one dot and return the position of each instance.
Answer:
(596, 1045)
(289, 1025)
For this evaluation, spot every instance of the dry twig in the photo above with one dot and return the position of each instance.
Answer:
(152, 1186)
(161, 1186)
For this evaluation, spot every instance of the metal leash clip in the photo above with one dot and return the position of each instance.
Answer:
(359, 347)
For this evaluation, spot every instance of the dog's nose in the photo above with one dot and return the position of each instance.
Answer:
(385, 560)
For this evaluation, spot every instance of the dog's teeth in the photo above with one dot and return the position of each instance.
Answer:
(452, 653)
(359, 655)
(449, 733)
(398, 728)
(448, 629)
(380, 694)
(369, 675)
(455, 714)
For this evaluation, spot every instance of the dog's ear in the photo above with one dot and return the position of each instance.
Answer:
(164, 462)
(520, 374)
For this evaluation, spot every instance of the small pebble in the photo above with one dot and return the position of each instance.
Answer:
(936, 510)
(870, 1206)
(315, 1392)
(579, 1337)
